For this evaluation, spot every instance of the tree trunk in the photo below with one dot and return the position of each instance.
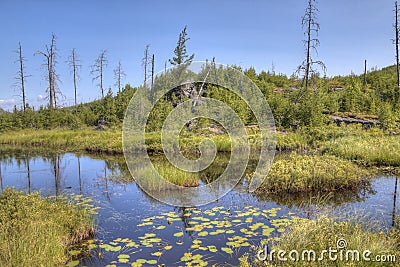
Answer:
(397, 53)
(365, 76)
(101, 77)
(74, 66)
(22, 78)
(308, 44)
(152, 71)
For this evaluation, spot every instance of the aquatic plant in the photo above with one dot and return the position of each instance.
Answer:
(207, 234)
(305, 173)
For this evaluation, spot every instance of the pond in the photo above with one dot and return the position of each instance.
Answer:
(135, 228)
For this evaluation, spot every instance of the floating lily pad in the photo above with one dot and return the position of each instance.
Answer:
(178, 234)
(227, 250)
(204, 233)
(157, 253)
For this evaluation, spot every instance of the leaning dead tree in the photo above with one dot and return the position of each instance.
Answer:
(74, 64)
(98, 69)
(119, 75)
(21, 75)
(397, 30)
(50, 62)
(311, 28)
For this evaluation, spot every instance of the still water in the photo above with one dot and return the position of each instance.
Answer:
(143, 230)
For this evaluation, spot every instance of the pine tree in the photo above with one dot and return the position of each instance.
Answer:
(181, 55)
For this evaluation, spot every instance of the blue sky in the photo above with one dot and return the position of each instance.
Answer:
(245, 33)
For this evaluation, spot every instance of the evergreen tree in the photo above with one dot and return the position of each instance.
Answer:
(181, 55)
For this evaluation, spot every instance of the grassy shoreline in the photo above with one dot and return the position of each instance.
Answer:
(326, 232)
(40, 231)
(110, 141)
(371, 147)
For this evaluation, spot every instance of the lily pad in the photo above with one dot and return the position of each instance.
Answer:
(178, 234)
(227, 250)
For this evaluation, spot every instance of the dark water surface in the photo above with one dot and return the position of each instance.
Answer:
(144, 230)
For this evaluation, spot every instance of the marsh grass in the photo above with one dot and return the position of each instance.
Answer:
(324, 232)
(311, 173)
(61, 139)
(37, 231)
(380, 150)
(110, 141)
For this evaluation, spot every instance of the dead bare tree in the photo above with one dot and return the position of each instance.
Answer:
(152, 71)
(50, 55)
(397, 30)
(21, 75)
(119, 74)
(98, 69)
(311, 26)
(365, 76)
(145, 63)
(74, 64)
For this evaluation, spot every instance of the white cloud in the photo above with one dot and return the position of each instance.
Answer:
(41, 98)
(8, 102)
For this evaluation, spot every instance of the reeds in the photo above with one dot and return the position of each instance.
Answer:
(381, 150)
(325, 233)
(37, 231)
(304, 173)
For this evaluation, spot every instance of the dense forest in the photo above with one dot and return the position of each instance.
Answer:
(307, 98)
(374, 98)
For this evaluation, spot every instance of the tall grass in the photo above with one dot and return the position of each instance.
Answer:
(304, 173)
(37, 231)
(383, 150)
(324, 233)
(71, 140)
(111, 141)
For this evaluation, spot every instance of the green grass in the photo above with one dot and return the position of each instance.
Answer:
(381, 150)
(304, 173)
(110, 141)
(37, 231)
(324, 232)
(68, 140)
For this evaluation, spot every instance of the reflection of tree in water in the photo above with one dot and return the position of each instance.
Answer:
(185, 217)
(394, 204)
(1, 179)
(79, 174)
(28, 169)
(55, 160)
(309, 203)
(105, 178)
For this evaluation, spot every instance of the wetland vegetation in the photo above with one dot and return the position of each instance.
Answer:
(38, 231)
(333, 133)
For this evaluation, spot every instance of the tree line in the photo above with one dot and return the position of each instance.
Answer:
(305, 98)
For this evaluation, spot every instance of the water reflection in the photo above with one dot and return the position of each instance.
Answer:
(394, 203)
(123, 204)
